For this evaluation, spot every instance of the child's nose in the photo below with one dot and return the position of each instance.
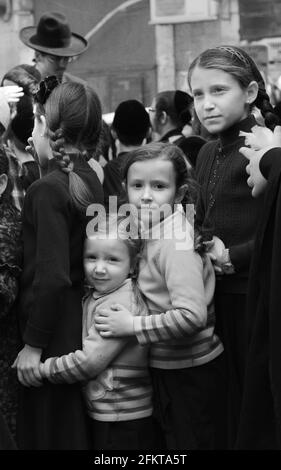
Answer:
(208, 103)
(146, 196)
(99, 267)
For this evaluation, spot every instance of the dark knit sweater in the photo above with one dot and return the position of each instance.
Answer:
(233, 215)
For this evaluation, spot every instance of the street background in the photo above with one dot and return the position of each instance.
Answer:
(140, 47)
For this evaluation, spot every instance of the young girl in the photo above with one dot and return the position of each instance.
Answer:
(226, 85)
(178, 286)
(67, 126)
(118, 393)
(10, 268)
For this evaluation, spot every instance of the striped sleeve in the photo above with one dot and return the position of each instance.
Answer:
(84, 364)
(182, 271)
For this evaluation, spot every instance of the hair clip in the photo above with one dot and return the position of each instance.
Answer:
(233, 51)
(46, 87)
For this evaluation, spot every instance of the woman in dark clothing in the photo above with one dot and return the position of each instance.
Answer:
(10, 267)
(67, 127)
(260, 421)
(226, 84)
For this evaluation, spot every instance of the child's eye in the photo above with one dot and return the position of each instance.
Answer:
(89, 258)
(112, 260)
(197, 94)
(159, 186)
(218, 90)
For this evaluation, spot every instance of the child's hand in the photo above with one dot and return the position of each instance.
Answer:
(215, 248)
(114, 321)
(217, 252)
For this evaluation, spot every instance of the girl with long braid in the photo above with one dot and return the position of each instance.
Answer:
(226, 86)
(67, 127)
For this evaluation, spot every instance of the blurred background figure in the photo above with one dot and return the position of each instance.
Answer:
(23, 169)
(10, 268)
(171, 121)
(130, 129)
(54, 44)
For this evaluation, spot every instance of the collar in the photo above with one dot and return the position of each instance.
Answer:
(174, 226)
(96, 295)
(231, 135)
(172, 133)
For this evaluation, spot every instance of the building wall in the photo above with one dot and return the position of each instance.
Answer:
(12, 50)
(192, 38)
(120, 60)
(124, 59)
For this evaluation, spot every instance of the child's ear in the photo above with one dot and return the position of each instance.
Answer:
(163, 117)
(43, 125)
(180, 193)
(113, 133)
(3, 183)
(252, 92)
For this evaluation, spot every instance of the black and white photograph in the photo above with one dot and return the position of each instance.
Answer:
(140, 246)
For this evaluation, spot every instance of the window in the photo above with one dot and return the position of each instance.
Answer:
(183, 11)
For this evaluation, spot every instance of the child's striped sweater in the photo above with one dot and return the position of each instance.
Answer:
(118, 384)
(179, 288)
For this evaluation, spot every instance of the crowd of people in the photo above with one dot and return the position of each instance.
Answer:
(151, 322)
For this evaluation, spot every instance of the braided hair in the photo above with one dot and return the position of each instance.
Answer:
(73, 117)
(241, 66)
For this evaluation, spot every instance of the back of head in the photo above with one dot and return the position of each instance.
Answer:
(74, 110)
(131, 122)
(24, 75)
(176, 104)
(243, 69)
(73, 118)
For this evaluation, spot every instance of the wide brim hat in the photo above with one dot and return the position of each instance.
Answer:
(53, 36)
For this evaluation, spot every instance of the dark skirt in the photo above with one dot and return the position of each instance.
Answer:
(189, 406)
(52, 417)
(231, 327)
(123, 435)
(6, 440)
(9, 386)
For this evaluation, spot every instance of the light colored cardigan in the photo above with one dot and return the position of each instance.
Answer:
(179, 288)
(118, 384)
